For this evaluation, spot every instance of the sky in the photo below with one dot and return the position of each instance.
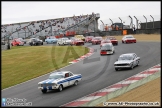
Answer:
(16, 11)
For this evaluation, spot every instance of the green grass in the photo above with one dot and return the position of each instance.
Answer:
(23, 63)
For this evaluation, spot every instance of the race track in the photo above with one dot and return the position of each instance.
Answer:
(97, 74)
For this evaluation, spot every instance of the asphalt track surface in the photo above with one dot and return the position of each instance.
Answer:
(96, 75)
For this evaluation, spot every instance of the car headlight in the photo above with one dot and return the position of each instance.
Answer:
(39, 85)
(54, 84)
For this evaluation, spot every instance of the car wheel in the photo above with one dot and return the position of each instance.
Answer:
(44, 91)
(42, 43)
(122, 41)
(117, 44)
(60, 88)
(137, 63)
(131, 66)
(116, 69)
(75, 83)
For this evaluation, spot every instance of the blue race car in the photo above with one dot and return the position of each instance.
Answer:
(51, 40)
(59, 80)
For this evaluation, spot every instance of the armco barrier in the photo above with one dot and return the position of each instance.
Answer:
(117, 89)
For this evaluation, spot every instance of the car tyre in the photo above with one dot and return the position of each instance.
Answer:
(137, 63)
(60, 88)
(44, 91)
(116, 69)
(42, 43)
(76, 83)
(132, 67)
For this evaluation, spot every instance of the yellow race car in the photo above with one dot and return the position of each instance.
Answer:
(81, 37)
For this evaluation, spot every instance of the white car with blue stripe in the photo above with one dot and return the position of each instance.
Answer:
(59, 80)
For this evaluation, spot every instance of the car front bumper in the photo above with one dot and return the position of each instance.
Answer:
(48, 88)
(121, 67)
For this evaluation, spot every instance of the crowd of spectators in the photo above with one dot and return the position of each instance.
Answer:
(37, 26)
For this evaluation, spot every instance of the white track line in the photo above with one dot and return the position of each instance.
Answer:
(104, 89)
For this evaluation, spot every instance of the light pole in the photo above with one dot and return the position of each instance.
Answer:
(103, 24)
(153, 21)
(112, 23)
(146, 21)
(121, 23)
(136, 21)
(131, 21)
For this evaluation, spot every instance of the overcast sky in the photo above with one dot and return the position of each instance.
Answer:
(14, 12)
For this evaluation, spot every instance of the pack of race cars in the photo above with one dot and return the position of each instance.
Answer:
(62, 79)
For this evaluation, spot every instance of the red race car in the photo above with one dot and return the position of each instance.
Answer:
(113, 40)
(77, 42)
(96, 40)
(17, 42)
(105, 41)
(128, 39)
(89, 38)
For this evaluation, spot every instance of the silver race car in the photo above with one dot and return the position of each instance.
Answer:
(129, 60)
(59, 80)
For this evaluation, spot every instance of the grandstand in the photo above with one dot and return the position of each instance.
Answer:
(67, 26)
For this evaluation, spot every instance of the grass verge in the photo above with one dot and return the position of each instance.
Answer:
(23, 63)
(143, 37)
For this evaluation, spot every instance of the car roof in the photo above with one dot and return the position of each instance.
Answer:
(59, 73)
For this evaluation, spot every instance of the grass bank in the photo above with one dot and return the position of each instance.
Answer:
(23, 63)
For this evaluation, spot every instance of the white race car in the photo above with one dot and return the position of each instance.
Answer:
(63, 41)
(59, 80)
(129, 60)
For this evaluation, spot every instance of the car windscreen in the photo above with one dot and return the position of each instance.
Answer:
(125, 57)
(129, 37)
(106, 47)
(55, 76)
